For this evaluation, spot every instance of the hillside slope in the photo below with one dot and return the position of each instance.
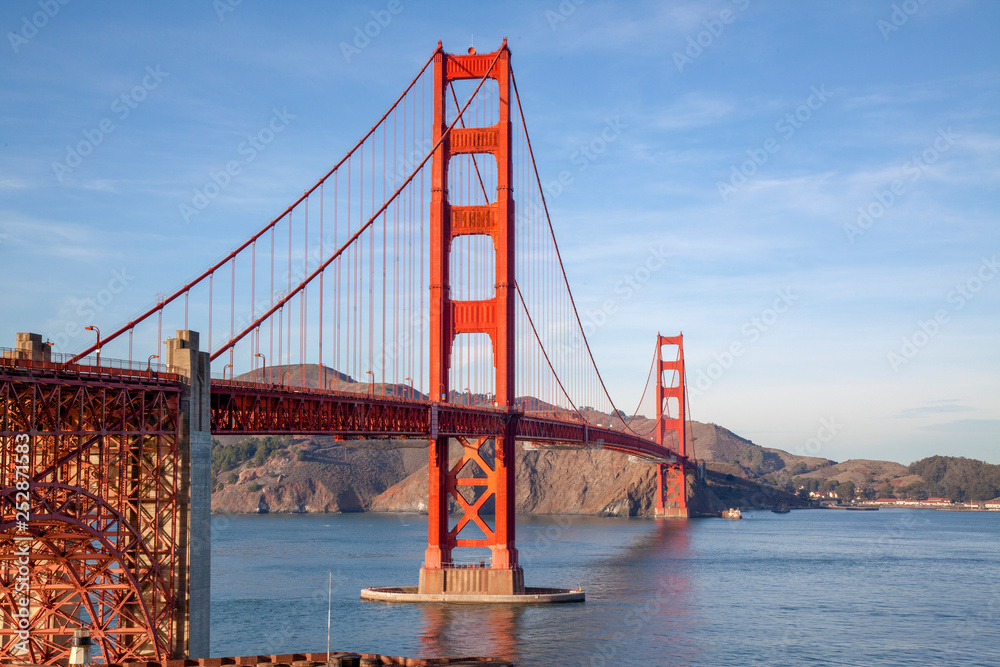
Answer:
(323, 474)
(318, 474)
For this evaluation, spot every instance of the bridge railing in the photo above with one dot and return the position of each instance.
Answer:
(90, 366)
(485, 561)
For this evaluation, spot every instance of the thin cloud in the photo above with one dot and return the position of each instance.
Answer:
(941, 407)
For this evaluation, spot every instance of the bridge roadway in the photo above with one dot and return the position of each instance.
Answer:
(250, 408)
(239, 407)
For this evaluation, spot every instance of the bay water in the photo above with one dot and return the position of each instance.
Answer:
(893, 587)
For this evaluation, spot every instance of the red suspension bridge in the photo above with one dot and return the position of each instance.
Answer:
(416, 290)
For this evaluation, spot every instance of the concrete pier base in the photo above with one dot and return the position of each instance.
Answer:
(472, 585)
(672, 513)
(529, 596)
(471, 581)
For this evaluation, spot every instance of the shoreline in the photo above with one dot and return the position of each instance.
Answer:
(650, 516)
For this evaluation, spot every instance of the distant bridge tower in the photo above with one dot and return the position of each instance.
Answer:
(671, 431)
(449, 318)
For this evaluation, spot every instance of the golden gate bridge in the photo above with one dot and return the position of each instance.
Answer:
(416, 290)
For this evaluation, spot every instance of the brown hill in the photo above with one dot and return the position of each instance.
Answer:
(318, 474)
(864, 472)
(321, 474)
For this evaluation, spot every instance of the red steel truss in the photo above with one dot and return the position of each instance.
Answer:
(671, 487)
(247, 408)
(89, 518)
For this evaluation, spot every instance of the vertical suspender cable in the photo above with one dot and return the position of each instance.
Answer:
(322, 279)
(304, 299)
(232, 307)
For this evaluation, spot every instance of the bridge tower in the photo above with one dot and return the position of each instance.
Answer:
(494, 316)
(671, 431)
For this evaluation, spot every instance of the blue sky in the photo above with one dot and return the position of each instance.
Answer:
(822, 175)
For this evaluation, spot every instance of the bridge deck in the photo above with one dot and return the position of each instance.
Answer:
(248, 408)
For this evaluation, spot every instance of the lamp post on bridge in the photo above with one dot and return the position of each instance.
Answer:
(264, 359)
(288, 374)
(224, 371)
(371, 383)
(410, 380)
(149, 362)
(98, 332)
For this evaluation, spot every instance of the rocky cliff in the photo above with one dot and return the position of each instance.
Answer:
(318, 474)
(322, 474)
(591, 482)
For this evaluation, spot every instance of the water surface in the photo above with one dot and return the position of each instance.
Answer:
(894, 587)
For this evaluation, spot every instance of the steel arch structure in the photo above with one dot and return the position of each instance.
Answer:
(98, 524)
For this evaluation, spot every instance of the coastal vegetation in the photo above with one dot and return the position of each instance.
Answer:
(954, 477)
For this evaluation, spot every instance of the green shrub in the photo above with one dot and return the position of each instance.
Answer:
(254, 487)
(258, 450)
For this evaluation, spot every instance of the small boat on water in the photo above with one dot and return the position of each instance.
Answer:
(732, 513)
